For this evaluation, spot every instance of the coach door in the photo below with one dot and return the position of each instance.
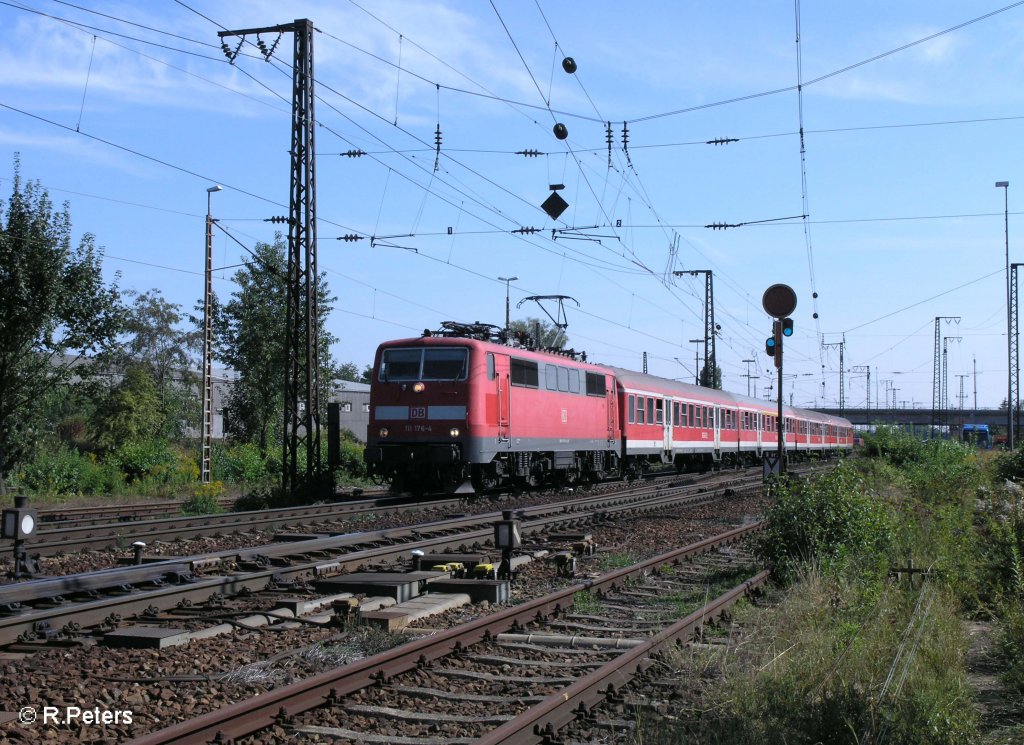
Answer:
(718, 430)
(666, 446)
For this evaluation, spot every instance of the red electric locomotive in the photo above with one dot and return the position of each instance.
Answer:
(473, 413)
(459, 410)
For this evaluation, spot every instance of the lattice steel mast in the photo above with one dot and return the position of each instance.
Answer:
(302, 358)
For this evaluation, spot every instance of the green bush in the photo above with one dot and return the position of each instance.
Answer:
(139, 459)
(66, 472)
(892, 444)
(204, 500)
(826, 520)
(242, 464)
(1010, 465)
(350, 459)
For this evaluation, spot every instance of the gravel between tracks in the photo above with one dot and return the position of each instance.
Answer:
(162, 687)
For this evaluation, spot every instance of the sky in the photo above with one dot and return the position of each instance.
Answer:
(882, 216)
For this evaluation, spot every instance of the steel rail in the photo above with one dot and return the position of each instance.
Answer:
(253, 714)
(69, 539)
(35, 622)
(540, 723)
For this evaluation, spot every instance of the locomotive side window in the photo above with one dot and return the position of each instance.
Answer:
(632, 405)
(490, 366)
(574, 381)
(551, 377)
(524, 373)
(595, 386)
(563, 379)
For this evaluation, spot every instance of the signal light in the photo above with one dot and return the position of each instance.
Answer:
(787, 326)
(769, 346)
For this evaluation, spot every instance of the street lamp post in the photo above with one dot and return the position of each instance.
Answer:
(1010, 403)
(204, 469)
(507, 281)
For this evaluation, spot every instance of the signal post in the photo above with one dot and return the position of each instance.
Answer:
(778, 301)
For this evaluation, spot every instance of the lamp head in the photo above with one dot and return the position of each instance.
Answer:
(215, 187)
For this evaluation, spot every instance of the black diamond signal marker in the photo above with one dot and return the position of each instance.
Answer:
(554, 206)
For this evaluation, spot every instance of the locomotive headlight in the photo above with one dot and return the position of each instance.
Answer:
(383, 432)
(418, 388)
(454, 431)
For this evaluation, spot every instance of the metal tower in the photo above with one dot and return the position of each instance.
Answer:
(1014, 402)
(302, 358)
(937, 373)
(842, 377)
(709, 321)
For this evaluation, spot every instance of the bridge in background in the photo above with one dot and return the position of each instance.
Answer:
(921, 419)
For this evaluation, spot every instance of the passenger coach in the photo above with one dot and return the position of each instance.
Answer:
(450, 412)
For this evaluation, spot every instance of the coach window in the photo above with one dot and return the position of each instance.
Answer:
(683, 419)
(659, 413)
(631, 407)
(524, 373)
(490, 366)
(640, 410)
(563, 379)
(595, 385)
(650, 410)
(693, 415)
(574, 381)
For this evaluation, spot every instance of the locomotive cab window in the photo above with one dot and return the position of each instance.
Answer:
(524, 373)
(424, 363)
(490, 366)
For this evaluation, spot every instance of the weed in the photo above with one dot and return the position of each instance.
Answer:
(204, 499)
(585, 603)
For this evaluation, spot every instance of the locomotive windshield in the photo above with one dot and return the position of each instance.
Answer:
(424, 363)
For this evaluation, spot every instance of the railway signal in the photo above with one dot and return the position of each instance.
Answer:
(778, 301)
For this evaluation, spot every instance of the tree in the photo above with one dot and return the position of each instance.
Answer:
(249, 337)
(131, 411)
(350, 371)
(550, 335)
(56, 309)
(706, 378)
(157, 343)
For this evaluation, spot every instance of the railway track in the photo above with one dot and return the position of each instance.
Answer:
(522, 675)
(66, 607)
(74, 535)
